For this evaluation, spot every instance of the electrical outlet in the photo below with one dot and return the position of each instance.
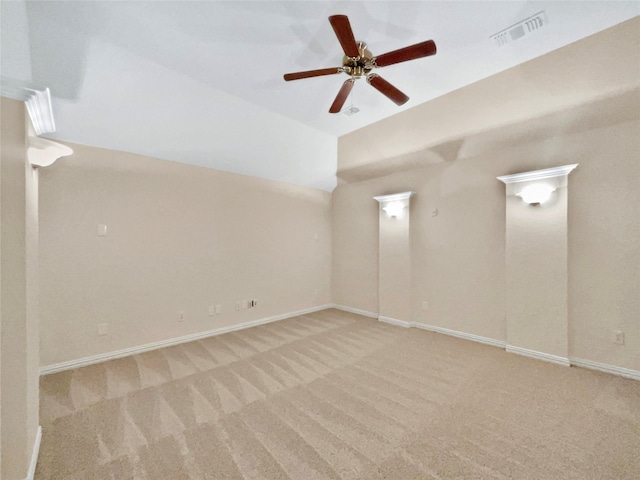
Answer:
(253, 303)
(103, 328)
(425, 305)
(245, 304)
(218, 309)
(212, 310)
(181, 316)
(617, 337)
(102, 230)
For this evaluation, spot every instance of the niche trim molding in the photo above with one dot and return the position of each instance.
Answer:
(538, 174)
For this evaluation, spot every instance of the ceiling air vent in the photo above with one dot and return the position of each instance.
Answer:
(520, 29)
(349, 111)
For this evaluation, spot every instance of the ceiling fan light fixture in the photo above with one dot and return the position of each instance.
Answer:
(359, 62)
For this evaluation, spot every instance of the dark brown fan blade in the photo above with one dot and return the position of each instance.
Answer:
(342, 96)
(388, 90)
(405, 54)
(342, 27)
(311, 73)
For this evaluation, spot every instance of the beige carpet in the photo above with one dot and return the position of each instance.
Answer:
(333, 395)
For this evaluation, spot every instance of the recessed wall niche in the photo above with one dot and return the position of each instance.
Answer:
(394, 257)
(536, 263)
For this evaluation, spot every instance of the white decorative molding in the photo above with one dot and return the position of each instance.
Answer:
(357, 311)
(125, 352)
(40, 110)
(538, 174)
(553, 178)
(37, 100)
(606, 368)
(395, 321)
(43, 152)
(455, 333)
(547, 357)
(34, 455)
(394, 197)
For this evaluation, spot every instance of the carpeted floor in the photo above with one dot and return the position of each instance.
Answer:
(333, 395)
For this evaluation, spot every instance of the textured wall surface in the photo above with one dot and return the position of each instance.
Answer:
(179, 239)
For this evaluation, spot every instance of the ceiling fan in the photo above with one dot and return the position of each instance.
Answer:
(358, 62)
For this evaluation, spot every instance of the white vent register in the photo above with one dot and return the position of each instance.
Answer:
(520, 29)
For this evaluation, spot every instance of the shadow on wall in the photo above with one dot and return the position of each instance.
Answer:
(444, 152)
(610, 110)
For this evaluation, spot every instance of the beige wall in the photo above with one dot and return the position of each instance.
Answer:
(180, 238)
(355, 247)
(458, 257)
(19, 295)
(579, 104)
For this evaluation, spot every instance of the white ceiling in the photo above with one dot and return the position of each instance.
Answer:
(201, 82)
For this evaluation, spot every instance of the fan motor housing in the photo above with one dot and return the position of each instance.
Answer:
(361, 65)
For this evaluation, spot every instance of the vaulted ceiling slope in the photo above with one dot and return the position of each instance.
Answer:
(588, 84)
(201, 82)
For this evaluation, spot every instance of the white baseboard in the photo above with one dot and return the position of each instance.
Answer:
(34, 455)
(606, 368)
(69, 365)
(578, 362)
(357, 311)
(424, 326)
(547, 357)
(125, 352)
(455, 333)
(395, 321)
